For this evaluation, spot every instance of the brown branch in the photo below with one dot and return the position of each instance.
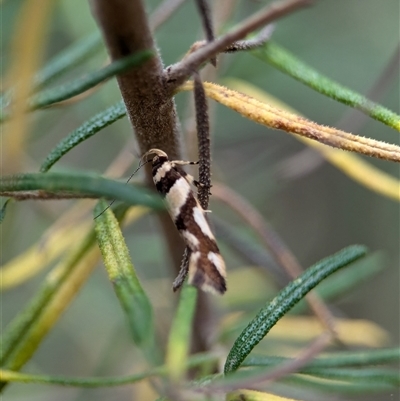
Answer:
(150, 109)
(222, 11)
(241, 45)
(260, 40)
(203, 140)
(206, 19)
(204, 185)
(44, 195)
(177, 74)
(275, 244)
(160, 15)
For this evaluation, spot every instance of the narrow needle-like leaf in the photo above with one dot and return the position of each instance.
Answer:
(68, 90)
(352, 165)
(335, 360)
(91, 382)
(275, 118)
(85, 131)
(26, 331)
(179, 337)
(69, 58)
(289, 64)
(122, 274)
(80, 184)
(284, 301)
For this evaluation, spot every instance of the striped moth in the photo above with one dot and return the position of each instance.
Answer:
(206, 265)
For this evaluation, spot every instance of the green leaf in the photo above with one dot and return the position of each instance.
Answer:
(367, 386)
(63, 62)
(81, 183)
(381, 375)
(285, 300)
(343, 282)
(348, 380)
(24, 333)
(122, 274)
(85, 131)
(90, 382)
(69, 58)
(179, 337)
(334, 360)
(280, 58)
(70, 89)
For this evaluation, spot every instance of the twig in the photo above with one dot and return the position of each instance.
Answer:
(203, 139)
(44, 195)
(203, 189)
(205, 14)
(222, 11)
(240, 45)
(206, 19)
(177, 74)
(274, 243)
(254, 43)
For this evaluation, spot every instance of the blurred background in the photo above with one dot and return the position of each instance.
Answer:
(315, 208)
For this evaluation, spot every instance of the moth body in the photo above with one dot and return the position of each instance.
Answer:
(206, 265)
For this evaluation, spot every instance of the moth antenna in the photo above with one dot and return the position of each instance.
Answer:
(141, 164)
(110, 204)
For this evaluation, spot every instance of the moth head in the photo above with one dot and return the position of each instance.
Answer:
(158, 153)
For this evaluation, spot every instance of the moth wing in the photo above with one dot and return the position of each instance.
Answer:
(207, 272)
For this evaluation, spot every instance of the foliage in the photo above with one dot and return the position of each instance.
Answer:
(258, 364)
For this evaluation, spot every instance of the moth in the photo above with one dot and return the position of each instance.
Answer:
(206, 265)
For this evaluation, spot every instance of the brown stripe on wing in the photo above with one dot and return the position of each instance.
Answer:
(204, 275)
(166, 183)
(185, 221)
(202, 271)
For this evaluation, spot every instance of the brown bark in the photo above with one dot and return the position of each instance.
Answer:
(152, 112)
(150, 108)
